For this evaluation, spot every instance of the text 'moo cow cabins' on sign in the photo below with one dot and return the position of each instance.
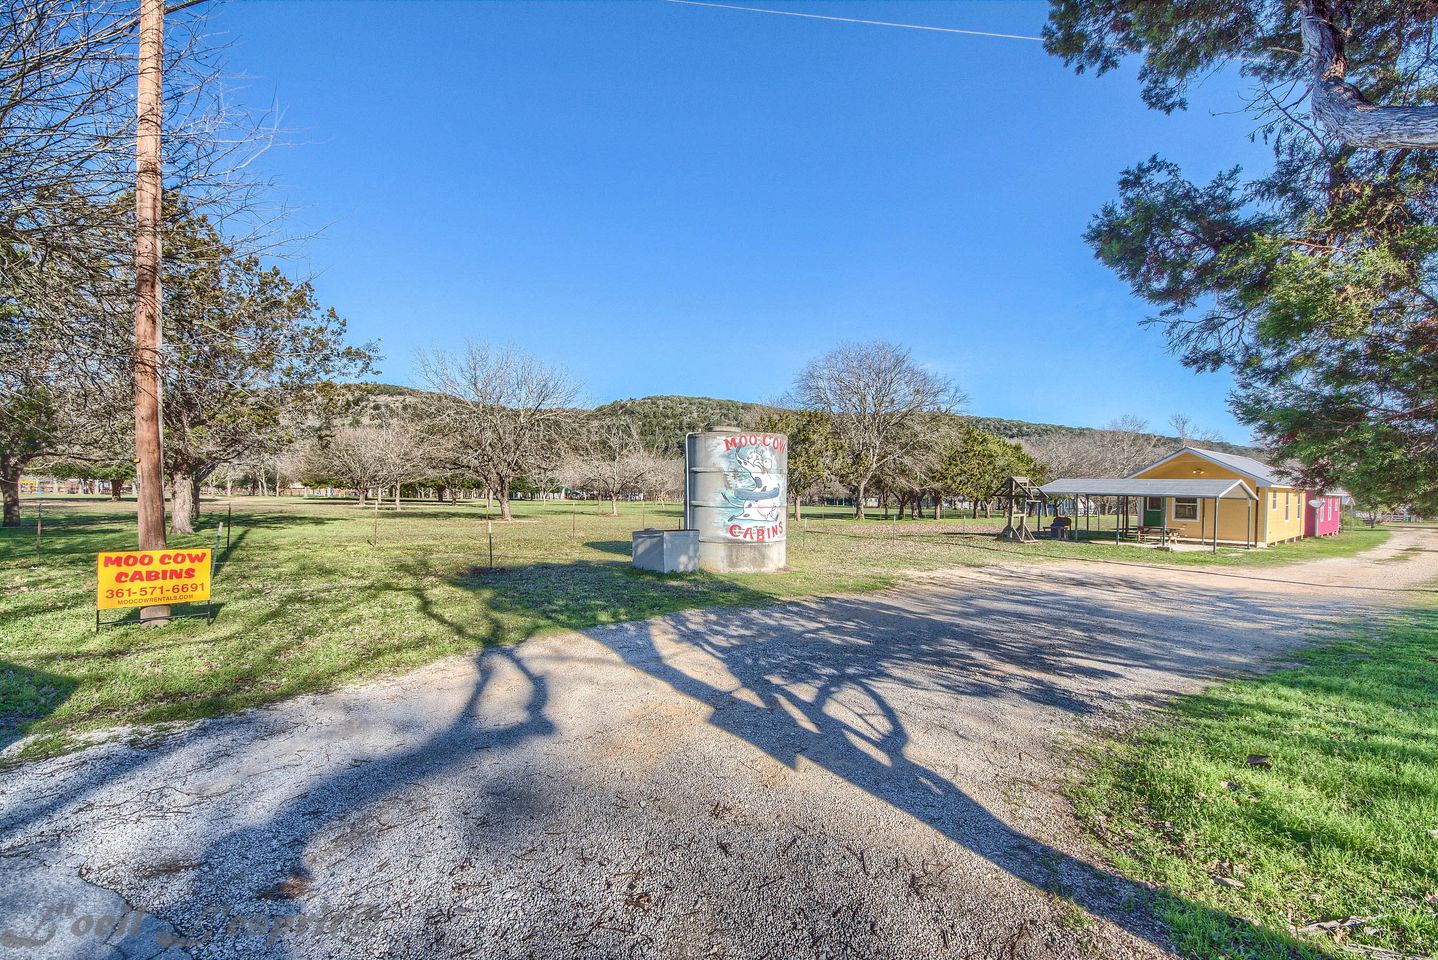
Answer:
(147, 578)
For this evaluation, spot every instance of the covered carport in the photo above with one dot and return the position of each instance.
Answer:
(1212, 493)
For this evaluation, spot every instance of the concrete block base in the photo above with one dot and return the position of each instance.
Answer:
(666, 551)
(728, 556)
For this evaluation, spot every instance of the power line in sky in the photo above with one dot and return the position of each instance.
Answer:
(872, 23)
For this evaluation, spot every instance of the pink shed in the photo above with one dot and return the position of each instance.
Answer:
(1325, 519)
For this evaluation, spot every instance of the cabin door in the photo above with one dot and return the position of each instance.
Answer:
(1153, 511)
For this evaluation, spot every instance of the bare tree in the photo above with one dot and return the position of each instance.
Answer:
(610, 460)
(1066, 454)
(504, 413)
(1125, 445)
(917, 472)
(872, 392)
(1189, 432)
(666, 482)
(371, 457)
(289, 465)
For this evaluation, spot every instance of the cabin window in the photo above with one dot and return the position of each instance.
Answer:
(1286, 504)
(1185, 508)
(1273, 502)
(1153, 503)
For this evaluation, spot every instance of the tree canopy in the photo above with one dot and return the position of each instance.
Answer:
(874, 395)
(815, 453)
(249, 358)
(1311, 281)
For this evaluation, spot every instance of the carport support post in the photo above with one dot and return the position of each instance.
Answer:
(1163, 522)
(1248, 525)
(1215, 524)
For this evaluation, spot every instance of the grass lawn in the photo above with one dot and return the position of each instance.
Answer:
(307, 601)
(1340, 828)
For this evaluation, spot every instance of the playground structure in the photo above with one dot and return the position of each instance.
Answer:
(1018, 495)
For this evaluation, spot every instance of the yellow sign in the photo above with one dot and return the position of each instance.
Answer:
(144, 578)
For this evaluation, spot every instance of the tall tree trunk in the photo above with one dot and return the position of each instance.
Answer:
(614, 504)
(938, 508)
(798, 508)
(363, 492)
(859, 503)
(10, 485)
(396, 498)
(504, 511)
(117, 488)
(185, 502)
(1341, 107)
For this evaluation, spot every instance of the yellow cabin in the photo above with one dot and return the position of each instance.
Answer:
(1277, 516)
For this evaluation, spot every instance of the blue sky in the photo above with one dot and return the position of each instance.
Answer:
(679, 199)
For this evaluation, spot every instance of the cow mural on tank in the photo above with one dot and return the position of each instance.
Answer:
(735, 498)
(753, 488)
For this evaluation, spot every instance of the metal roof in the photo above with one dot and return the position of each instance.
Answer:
(1110, 487)
(1259, 472)
(1256, 468)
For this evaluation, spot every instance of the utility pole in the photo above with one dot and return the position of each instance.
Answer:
(149, 460)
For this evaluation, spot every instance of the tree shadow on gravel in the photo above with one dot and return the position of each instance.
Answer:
(819, 681)
(249, 876)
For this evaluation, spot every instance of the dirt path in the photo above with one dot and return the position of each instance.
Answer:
(866, 777)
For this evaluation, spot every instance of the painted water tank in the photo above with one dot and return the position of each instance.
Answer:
(736, 489)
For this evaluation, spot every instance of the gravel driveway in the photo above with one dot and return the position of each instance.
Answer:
(857, 777)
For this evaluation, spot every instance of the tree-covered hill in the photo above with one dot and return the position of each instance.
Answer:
(662, 421)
